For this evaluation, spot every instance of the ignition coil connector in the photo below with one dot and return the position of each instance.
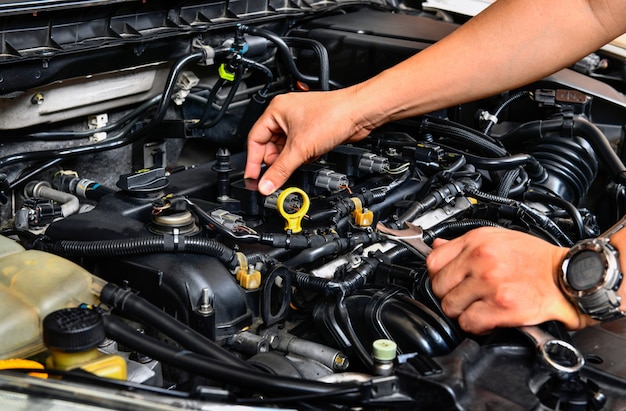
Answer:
(228, 220)
(331, 180)
(372, 163)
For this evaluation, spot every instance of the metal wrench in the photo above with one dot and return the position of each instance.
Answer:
(560, 355)
(412, 237)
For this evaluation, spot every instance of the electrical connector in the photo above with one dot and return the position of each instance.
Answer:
(372, 163)
(331, 180)
(228, 220)
(185, 83)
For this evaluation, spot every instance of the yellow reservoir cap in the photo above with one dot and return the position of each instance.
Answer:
(92, 361)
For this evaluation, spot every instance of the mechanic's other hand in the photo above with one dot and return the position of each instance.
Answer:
(297, 128)
(493, 277)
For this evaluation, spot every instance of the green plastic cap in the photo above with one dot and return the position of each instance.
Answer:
(384, 350)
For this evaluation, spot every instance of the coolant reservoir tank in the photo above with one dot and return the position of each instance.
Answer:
(32, 285)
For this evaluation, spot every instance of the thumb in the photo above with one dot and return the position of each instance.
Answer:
(278, 173)
(438, 242)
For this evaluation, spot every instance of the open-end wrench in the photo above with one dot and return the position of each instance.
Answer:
(560, 355)
(412, 237)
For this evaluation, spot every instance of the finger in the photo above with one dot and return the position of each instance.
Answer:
(462, 296)
(277, 174)
(481, 317)
(443, 254)
(438, 242)
(254, 161)
(263, 132)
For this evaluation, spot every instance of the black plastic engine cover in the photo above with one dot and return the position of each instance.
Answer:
(364, 43)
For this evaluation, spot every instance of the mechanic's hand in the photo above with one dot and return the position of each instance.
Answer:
(493, 277)
(297, 128)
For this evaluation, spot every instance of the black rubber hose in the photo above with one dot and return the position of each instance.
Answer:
(131, 304)
(602, 147)
(431, 200)
(204, 120)
(263, 69)
(283, 50)
(539, 220)
(535, 168)
(354, 279)
(456, 228)
(248, 380)
(569, 208)
(456, 131)
(401, 192)
(589, 131)
(146, 245)
(346, 326)
(332, 247)
(320, 52)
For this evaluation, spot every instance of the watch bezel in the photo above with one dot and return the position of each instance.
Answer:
(609, 260)
(601, 301)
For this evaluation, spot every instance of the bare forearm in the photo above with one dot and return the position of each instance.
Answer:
(512, 43)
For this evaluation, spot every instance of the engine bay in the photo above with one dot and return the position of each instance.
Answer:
(123, 128)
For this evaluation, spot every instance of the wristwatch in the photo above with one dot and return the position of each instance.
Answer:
(590, 276)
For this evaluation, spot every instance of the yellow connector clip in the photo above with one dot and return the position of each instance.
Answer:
(225, 74)
(250, 280)
(293, 216)
(362, 217)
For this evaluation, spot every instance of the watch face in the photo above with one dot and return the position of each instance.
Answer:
(585, 270)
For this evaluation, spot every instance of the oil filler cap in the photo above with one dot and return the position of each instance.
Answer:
(73, 330)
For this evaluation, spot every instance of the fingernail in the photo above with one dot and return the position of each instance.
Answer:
(266, 187)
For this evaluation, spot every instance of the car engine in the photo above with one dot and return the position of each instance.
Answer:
(142, 271)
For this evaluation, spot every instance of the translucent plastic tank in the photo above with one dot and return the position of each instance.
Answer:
(32, 285)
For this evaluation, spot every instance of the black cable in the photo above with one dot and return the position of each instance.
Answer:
(473, 138)
(30, 174)
(130, 303)
(249, 380)
(456, 228)
(507, 181)
(539, 220)
(494, 117)
(70, 135)
(322, 56)
(571, 210)
(204, 121)
(146, 245)
(283, 50)
(263, 69)
(209, 102)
